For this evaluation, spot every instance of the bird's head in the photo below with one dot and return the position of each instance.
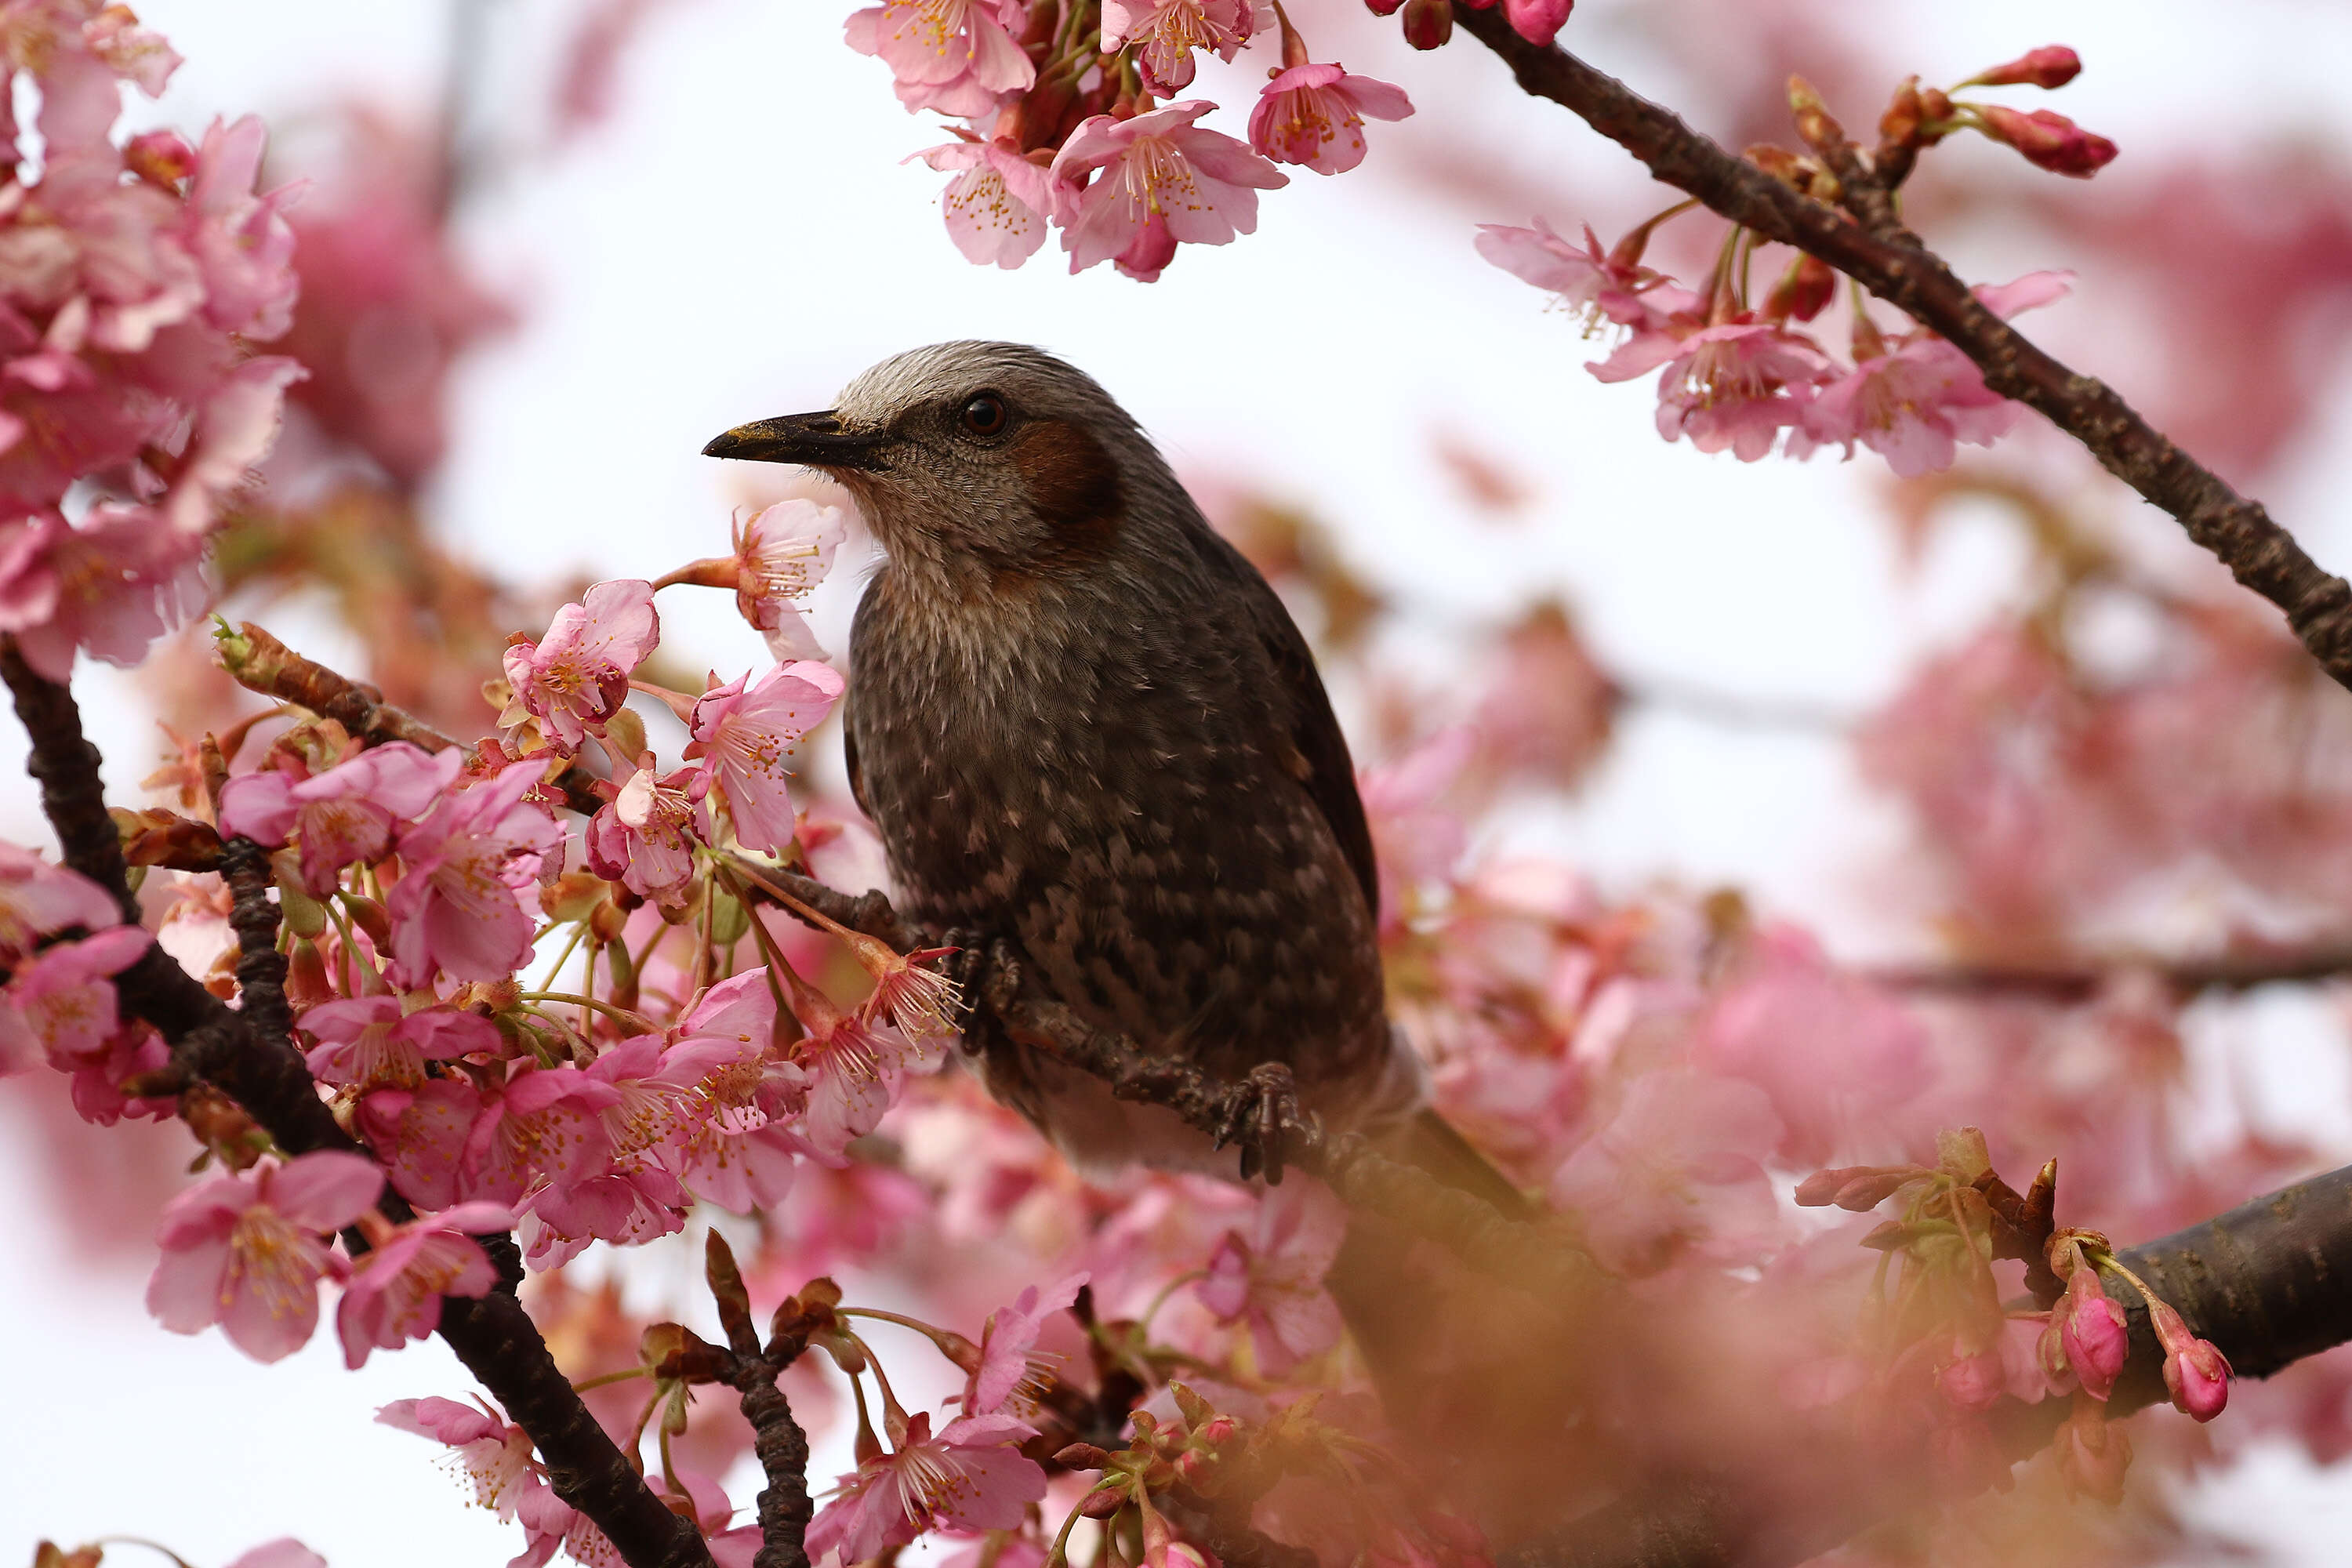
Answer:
(973, 455)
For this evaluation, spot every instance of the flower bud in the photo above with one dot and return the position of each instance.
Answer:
(1103, 1502)
(1382, 7)
(1218, 1430)
(306, 976)
(1194, 1467)
(1083, 1456)
(1428, 23)
(1820, 130)
(161, 158)
(2049, 141)
(1899, 126)
(2050, 66)
(2090, 1329)
(2093, 1453)
(2196, 1373)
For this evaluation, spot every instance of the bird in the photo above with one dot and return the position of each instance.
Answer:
(1089, 733)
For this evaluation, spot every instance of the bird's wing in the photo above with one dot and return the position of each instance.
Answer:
(1319, 757)
(857, 780)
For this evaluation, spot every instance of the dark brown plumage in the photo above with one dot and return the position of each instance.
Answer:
(1083, 725)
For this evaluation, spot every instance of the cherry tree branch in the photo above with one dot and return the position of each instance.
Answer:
(1888, 261)
(2262, 1282)
(260, 1068)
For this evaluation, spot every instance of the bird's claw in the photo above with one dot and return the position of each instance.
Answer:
(1260, 1114)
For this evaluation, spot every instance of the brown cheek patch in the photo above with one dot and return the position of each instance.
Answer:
(1073, 486)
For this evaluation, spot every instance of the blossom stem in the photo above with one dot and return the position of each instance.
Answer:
(621, 1015)
(605, 1380)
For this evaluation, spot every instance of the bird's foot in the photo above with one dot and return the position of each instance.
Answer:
(1260, 1115)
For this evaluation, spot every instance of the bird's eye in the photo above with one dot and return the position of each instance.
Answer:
(985, 415)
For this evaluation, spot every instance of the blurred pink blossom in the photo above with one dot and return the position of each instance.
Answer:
(1678, 1166)
(1011, 1375)
(108, 587)
(495, 1456)
(1272, 1281)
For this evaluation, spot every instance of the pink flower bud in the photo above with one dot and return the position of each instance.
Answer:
(2093, 1453)
(2049, 141)
(2195, 1371)
(2090, 1329)
(1971, 1382)
(160, 158)
(1428, 23)
(2050, 66)
(1382, 7)
(1537, 21)
(1217, 1429)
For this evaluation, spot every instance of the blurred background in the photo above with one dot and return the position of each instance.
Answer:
(1961, 729)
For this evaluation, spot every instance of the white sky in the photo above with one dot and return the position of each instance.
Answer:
(742, 239)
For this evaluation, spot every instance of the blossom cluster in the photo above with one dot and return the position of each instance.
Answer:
(138, 275)
(1736, 373)
(1062, 123)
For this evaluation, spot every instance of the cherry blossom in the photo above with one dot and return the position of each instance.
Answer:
(743, 1153)
(283, 1553)
(969, 1476)
(455, 907)
(394, 1292)
(2091, 1330)
(853, 1069)
(366, 1044)
(998, 208)
(62, 1004)
(1159, 180)
(1733, 386)
(494, 1455)
(747, 732)
(1314, 115)
(245, 1249)
(1272, 1281)
(2196, 1374)
(574, 677)
(108, 587)
(1578, 275)
(784, 551)
(1009, 1374)
(958, 56)
(344, 816)
(644, 837)
(39, 900)
(1679, 1166)
(541, 1123)
(1164, 32)
(1914, 401)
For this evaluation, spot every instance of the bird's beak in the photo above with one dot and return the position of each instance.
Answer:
(817, 440)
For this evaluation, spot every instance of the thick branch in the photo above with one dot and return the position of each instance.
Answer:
(2064, 979)
(493, 1337)
(2261, 554)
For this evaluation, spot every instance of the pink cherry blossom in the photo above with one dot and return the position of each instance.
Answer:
(1272, 1281)
(1679, 1166)
(645, 838)
(1582, 277)
(394, 1292)
(1314, 115)
(784, 551)
(748, 732)
(997, 208)
(1009, 1368)
(365, 1044)
(853, 1069)
(741, 1152)
(62, 1004)
(345, 815)
(544, 1123)
(1914, 402)
(1162, 180)
(1730, 385)
(39, 900)
(574, 677)
(969, 1476)
(455, 908)
(108, 587)
(245, 1249)
(1537, 21)
(626, 1206)
(961, 57)
(495, 1456)
(1164, 32)
(421, 1136)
